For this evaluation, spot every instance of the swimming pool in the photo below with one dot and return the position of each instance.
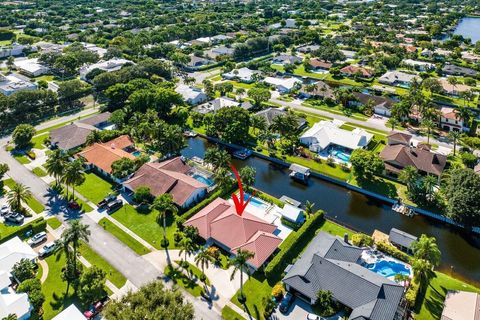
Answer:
(203, 179)
(345, 157)
(255, 201)
(389, 268)
(136, 153)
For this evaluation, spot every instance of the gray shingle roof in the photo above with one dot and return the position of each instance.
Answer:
(331, 264)
(271, 113)
(401, 237)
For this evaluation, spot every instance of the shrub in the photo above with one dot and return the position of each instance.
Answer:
(290, 224)
(214, 252)
(33, 227)
(345, 168)
(278, 291)
(392, 251)
(31, 154)
(331, 162)
(291, 246)
(411, 294)
(362, 240)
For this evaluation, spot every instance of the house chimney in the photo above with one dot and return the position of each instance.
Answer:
(345, 237)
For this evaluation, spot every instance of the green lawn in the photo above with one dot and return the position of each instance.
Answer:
(94, 188)
(335, 229)
(54, 223)
(145, 225)
(191, 283)
(23, 159)
(242, 85)
(39, 171)
(38, 140)
(335, 109)
(95, 259)
(430, 305)
(83, 205)
(230, 314)
(123, 236)
(54, 289)
(7, 230)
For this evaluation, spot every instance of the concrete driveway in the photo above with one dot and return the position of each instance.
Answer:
(298, 311)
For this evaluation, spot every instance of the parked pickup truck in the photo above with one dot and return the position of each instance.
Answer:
(114, 206)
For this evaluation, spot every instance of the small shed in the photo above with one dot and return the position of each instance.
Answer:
(292, 213)
(401, 239)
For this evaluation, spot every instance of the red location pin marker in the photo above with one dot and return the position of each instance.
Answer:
(240, 204)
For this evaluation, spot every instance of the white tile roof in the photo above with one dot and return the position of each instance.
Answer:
(70, 313)
(324, 133)
(13, 251)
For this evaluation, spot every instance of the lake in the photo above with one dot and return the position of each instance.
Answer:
(469, 28)
(460, 253)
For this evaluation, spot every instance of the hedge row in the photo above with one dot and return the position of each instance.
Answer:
(35, 226)
(291, 246)
(392, 251)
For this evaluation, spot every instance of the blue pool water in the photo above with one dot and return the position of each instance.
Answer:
(388, 268)
(137, 153)
(203, 179)
(255, 201)
(341, 156)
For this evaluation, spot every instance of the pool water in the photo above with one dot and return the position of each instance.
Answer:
(388, 268)
(203, 179)
(341, 156)
(255, 201)
(137, 153)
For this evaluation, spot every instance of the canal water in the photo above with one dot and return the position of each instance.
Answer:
(469, 28)
(460, 255)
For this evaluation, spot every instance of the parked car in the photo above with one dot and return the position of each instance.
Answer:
(4, 210)
(312, 316)
(286, 302)
(114, 206)
(38, 238)
(47, 249)
(14, 217)
(107, 200)
(95, 308)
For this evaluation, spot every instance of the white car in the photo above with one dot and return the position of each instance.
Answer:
(47, 249)
(38, 238)
(312, 316)
(4, 210)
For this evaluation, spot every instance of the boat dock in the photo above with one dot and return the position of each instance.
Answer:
(242, 154)
(299, 172)
(290, 201)
(403, 209)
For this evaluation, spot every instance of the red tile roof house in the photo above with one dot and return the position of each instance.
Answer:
(219, 223)
(170, 176)
(100, 156)
(350, 71)
(450, 120)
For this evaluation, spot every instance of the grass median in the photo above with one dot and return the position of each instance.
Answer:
(124, 237)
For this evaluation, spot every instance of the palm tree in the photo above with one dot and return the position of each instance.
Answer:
(55, 164)
(429, 125)
(422, 271)
(267, 136)
(454, 136)
(239, 263)
(217, 157)
(467, 96)
(163, 204)
(222, 178)
(453, 81)
(465, 114)
(258, 123)
(429, 183)
(187, 247)
(309, 208)
(10, 63)
(425, 248)
(74, 175)
(18, 193)
(75, 232)
(409, 175)
(402, 110)
(393, 122)
(202, 259)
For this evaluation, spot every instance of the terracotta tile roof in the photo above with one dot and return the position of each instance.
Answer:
(317, 63)
(102, 155)
(424, 160)
(220, 222)
(449, 113)
(352, 70)
(166, 177)
(400, 137)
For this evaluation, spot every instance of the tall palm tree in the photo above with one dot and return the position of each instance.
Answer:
(393, 122)
(267, 136)
(202, 259)
(18, 193)
(309, 208)
(222, 178)
(217, 157)
(258, 123)
(55, 164)
(409, 175)
(453, 81)
(429, 183)
(73, 234)
(454, 136)
(163, 204)
(187, 247)
(465, 114)
(74, 175)
(239, 263)
(422, 272)
(429, 125)
(426, 248)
